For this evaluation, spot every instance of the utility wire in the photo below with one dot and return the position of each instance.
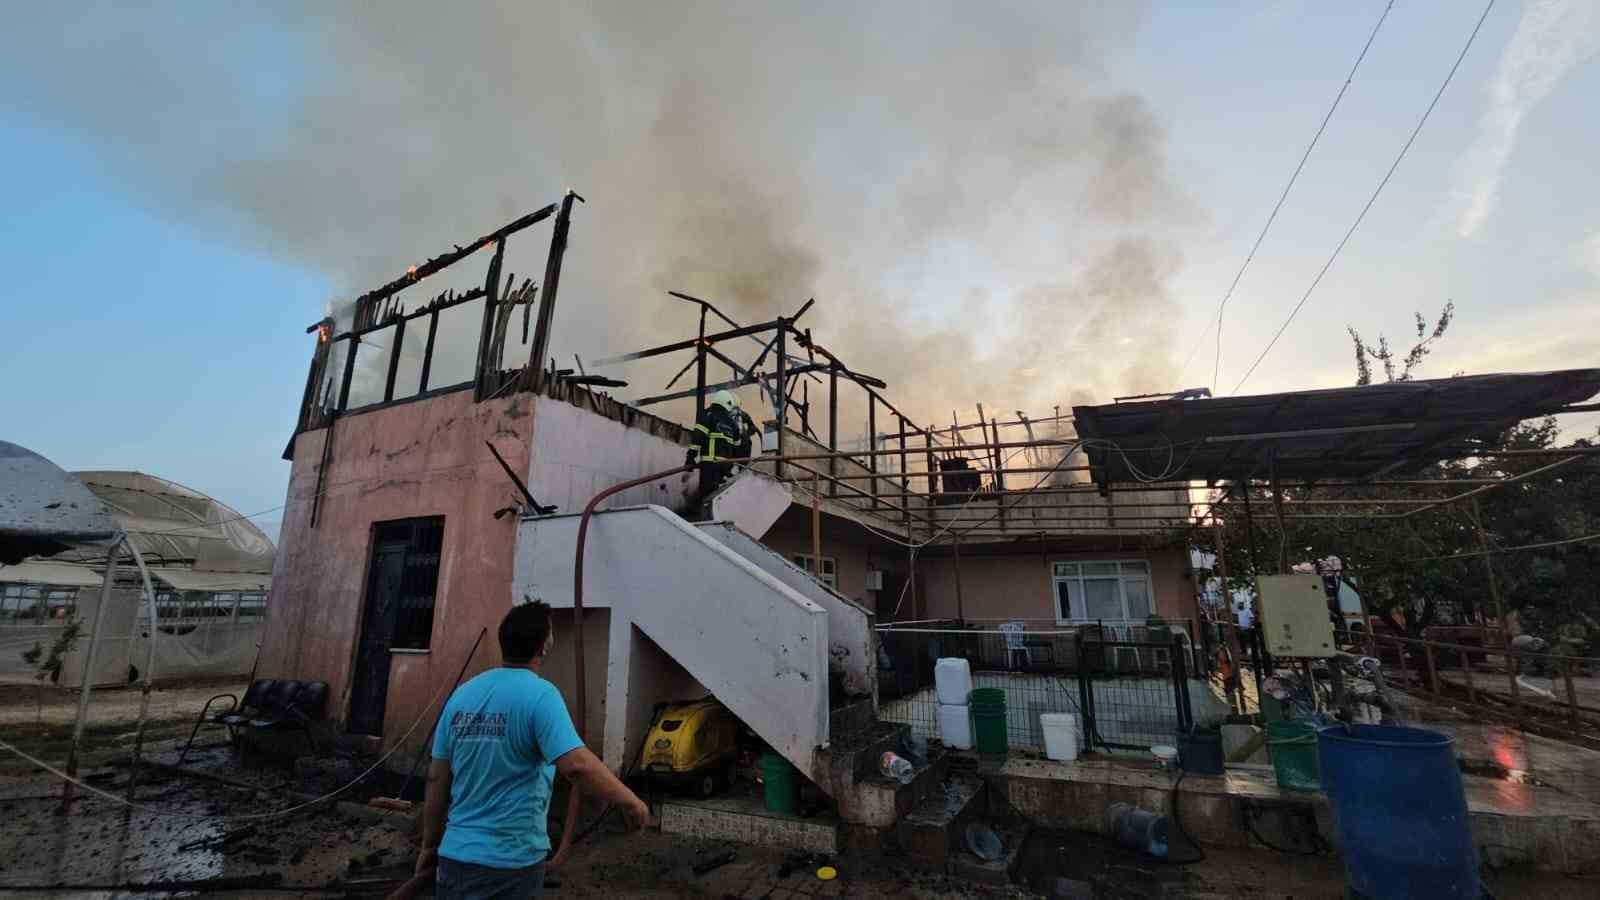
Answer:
(1538, 546)
(1216, 365)
(1371, 200)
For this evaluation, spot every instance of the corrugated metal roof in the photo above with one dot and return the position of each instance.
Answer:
(1353, 432)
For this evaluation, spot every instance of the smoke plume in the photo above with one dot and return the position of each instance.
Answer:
(982, 211)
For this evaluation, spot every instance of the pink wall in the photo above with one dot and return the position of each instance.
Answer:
(427, 458)
(416, 459)
(792, 534)
(1020, 587)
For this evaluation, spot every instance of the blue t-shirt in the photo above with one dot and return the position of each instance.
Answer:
(502, 732)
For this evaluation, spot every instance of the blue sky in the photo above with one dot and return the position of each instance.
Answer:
(168, 243)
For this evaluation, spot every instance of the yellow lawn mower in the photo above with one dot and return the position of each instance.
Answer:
(691, 746)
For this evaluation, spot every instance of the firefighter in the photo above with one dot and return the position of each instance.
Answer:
(722, 432)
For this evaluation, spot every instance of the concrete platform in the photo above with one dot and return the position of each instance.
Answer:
(1537, 825)
(740, 816)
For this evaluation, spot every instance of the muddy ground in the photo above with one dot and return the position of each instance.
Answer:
(190, 828)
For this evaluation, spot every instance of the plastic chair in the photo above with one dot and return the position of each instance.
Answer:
(1014, 632)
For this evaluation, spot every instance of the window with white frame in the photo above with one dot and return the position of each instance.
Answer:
(1114, 591)
(830, 569)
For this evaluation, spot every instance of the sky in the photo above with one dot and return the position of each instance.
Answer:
(1019, 206)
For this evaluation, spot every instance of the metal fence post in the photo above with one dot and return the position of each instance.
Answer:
(1433, 673)
(1572, 692)
(1085, 692)
(1180, 684)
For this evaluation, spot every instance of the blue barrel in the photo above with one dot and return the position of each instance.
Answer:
(1401, 812)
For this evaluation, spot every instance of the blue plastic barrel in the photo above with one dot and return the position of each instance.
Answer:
(1401, 812)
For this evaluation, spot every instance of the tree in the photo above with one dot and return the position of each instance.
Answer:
(1366, 353)
(47, 663)
(1415, 570)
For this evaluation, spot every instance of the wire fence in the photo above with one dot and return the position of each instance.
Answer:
(1126, 694)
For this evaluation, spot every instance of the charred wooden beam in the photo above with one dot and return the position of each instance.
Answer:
(419, 272)
(552, 282)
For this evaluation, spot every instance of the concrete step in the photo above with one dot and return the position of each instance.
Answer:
(933, 832)
(880, 802)
(854, 755)
(740, 815)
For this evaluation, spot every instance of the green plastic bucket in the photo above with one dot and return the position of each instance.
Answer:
(987, 697)
(988, 719)
(777, 777)
(1293, 747)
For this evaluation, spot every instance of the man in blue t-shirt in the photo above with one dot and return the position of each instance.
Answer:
(501, 738)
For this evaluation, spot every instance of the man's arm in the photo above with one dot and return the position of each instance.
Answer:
(435, 808)
(586, 771)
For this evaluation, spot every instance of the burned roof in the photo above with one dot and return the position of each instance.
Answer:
(1353, 432)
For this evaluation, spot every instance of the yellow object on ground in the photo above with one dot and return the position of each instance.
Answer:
(827, 873)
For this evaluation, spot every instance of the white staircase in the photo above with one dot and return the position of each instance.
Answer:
(709, 602)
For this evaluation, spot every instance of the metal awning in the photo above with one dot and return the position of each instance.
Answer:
(192, 580)
(36, 571)
(1354, 432)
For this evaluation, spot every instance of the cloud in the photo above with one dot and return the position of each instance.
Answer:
(1553, 37)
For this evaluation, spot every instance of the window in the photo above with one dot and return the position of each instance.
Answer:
(1091, 591)
(36, 604)
(830, 569)
(252, 607)
(417, 543)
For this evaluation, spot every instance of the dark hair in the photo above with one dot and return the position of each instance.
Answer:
(523, 632)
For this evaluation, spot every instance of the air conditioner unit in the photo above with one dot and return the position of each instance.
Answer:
(874, 579)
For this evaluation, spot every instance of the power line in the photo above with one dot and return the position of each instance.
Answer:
(1216, 366)
(1371, 200)
(1539, 546)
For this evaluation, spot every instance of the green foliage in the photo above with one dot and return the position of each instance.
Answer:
(47, 663)
(1366, 353)
(1411, 567)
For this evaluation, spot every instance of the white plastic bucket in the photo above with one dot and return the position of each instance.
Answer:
(1060, 735)
(955, 726)
(952, 679)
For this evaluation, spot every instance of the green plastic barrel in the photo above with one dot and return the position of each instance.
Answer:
(988, 719)
(777, 776)
(1293, 747)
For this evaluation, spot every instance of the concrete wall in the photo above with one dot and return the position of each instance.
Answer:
(1019, 586)
(560, 669)
(852, 649)
(427, 458)
(579, 453)
(645, 675)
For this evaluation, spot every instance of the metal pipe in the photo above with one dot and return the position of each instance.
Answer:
(87, 677)
(580, 694)
(149, 667)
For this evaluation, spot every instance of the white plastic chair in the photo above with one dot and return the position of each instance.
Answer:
(1014, 632)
